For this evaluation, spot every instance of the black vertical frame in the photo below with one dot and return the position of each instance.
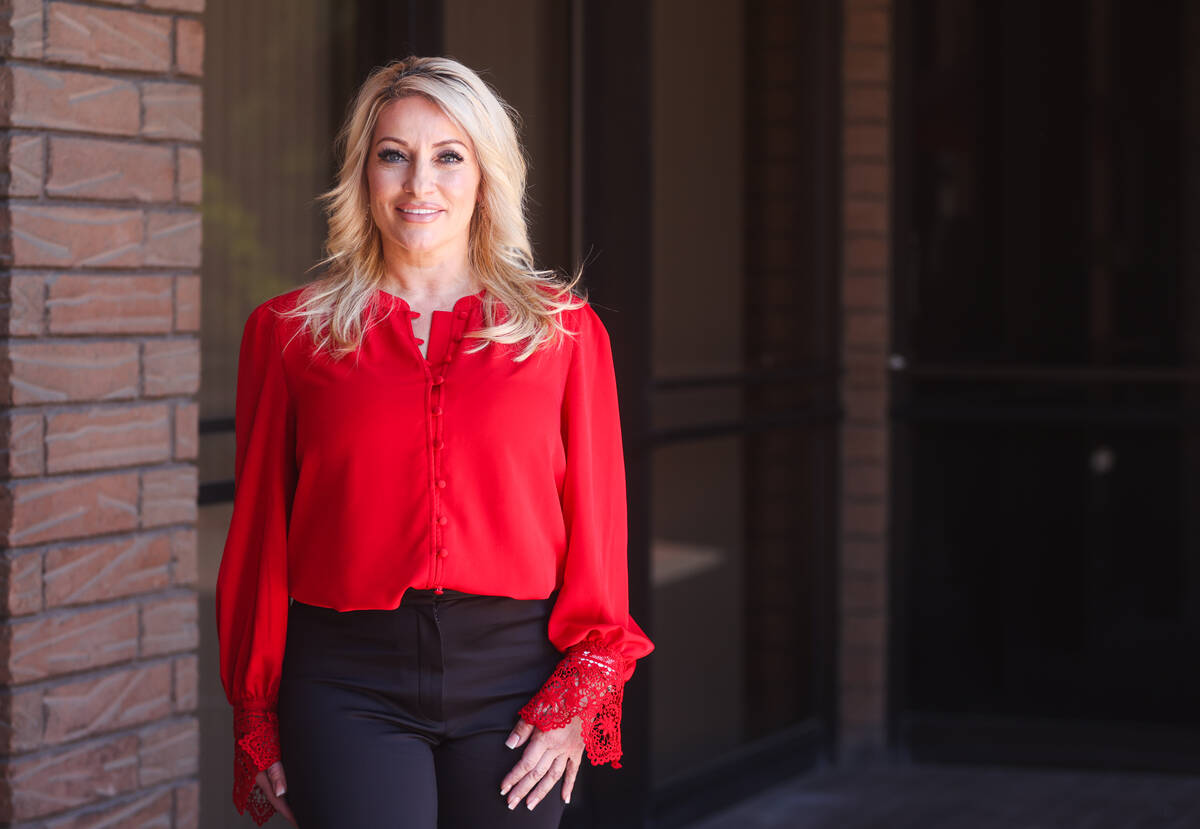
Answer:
(615, 164)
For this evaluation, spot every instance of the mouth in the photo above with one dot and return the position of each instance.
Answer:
(419, 214)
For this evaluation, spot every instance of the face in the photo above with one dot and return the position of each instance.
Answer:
(423, 180)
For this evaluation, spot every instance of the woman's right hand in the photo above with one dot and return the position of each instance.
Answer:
(274, 785)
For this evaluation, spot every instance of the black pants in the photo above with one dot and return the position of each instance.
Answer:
(397, 718)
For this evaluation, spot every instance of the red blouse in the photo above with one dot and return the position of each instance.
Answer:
(361, 477)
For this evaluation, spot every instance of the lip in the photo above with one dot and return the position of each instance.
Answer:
(435, 211)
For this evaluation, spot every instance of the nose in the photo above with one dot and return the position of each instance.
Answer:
(420, 177)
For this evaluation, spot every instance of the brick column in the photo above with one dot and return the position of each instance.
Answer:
(866, 87)
(100, 245)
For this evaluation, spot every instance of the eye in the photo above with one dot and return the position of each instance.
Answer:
(388, 155)
(450, 157)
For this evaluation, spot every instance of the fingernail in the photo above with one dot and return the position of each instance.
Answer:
(531, 804)
(504, 790)
(511, 742)
(512, 804)
(567, 799)
(279, 790)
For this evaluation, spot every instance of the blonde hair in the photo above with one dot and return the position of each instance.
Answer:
(499, 250)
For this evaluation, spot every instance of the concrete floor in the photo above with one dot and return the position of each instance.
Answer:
(969, 797)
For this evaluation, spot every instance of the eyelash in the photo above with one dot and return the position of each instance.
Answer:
(453, 157)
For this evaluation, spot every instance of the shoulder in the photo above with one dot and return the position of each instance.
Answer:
(266, 320)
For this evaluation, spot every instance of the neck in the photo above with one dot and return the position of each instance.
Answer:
(428, 274)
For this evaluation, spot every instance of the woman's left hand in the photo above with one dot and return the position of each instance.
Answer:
(550, 755)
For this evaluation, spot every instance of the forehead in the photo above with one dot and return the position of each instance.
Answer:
(416, 118)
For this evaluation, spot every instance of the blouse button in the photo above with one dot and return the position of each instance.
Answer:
(437, 410)
(437, 444)
(437, 381)
(442, 520)
(414, 314)
(420, 341)
(438, 590)
(462, 315)
(458, 338)
(442, 553)
(441, 483)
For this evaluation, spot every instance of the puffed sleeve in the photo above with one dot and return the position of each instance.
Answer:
(252, 593)
(590, 622)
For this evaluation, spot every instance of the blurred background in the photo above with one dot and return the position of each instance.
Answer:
(905, 304)
(905, 311)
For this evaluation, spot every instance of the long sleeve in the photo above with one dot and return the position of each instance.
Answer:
(590, 621)
(252, 590)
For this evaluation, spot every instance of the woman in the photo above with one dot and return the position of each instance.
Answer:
(425, 567)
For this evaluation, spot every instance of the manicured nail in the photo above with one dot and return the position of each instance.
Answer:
(531, 804)
(511, 742)
(512, 804)
(504, 790)
(279, 790)
(567, 799)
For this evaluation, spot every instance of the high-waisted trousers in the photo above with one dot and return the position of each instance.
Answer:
(396, 719)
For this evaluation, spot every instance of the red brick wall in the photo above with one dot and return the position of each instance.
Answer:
(866, 137)
(99, 309)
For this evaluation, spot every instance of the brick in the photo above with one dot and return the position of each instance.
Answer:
(76, 236)
(864, 371)
(47, 510)
(866, 65)
(21, 584)
(60, 99)
(193, 6)
(189, 46)
(109, 304)
(73, 777)
(22, 305)
(864, 443)
(171, 366)
(183, 556)
(190, 188)
(864, 518)
(147, 811)
(863, 667)
(106, 436)
(20, 720)
(128, 697)
(865, 293)
(863, 104)
(866, 328)
(172, 110)
(864, 481)
(25, 24)
(108, 38)
(169, 495)
(61, 643)
(864, 592)
(866, 141)
(862, 215)
(864, 253)
(865, 406)
(21, 445)
(187, 683)
(168, 751)
(107, 570)
(860, 555)
(187, 806)
(24, 158)
(868, 27)
(169, 625)
(187, 431)
(187, 303)
(60, 372)
(868, 178)
(173, 239)
(103, 169)
(864, 629)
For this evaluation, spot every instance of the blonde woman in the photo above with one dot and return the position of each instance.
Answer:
(425, 569)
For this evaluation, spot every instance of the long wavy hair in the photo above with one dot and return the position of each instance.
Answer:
(521, 304)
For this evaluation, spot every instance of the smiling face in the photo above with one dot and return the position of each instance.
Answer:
(423, 181)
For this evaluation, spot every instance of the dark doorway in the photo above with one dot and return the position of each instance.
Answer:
(1046, 382)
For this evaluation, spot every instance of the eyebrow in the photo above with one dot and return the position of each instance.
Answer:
(404, 143)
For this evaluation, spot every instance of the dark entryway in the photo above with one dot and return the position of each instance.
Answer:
(1047, 382)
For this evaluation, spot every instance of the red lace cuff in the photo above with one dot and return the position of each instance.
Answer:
(588, 683)
(255, 747)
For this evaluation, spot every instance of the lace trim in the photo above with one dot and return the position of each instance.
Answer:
(588, 683)
(256, 747)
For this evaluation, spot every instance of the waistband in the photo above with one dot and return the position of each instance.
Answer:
(416, 597)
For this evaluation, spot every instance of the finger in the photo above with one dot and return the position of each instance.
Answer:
(528, 762)
(519, 734)
(263, 781)
(526, 783)
(544, 785)
(569, 778)
(278, 781)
